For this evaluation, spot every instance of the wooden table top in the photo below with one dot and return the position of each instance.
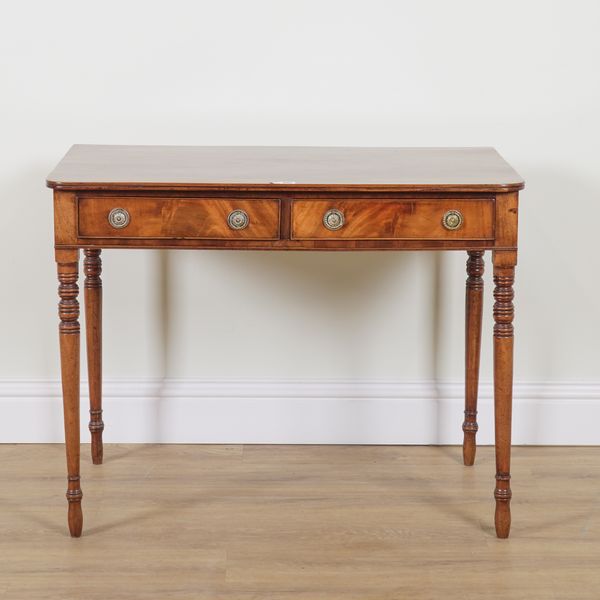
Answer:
(287, 168)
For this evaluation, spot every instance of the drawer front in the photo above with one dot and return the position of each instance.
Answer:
(393, 219)
(178, 218)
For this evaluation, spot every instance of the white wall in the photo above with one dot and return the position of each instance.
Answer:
(521, 76)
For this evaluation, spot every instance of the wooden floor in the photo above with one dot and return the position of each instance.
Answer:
(301, 522)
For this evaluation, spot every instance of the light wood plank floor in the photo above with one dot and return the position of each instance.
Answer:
(301, 522)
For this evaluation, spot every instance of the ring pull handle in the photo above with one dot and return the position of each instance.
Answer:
(452, 220)
(333, 219)
(118, 218)
(238, 219)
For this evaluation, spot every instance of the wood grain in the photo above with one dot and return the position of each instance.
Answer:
(389, 219)
(68, 310)
(92, 265)
(473, 319)
(504, 275)
(299, 523)
(178, 218)
(507, 219)
(283, 168)
(65, 219)
(391, 198)
(334, 245)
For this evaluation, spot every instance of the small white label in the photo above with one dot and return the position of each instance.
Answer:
(282, 182)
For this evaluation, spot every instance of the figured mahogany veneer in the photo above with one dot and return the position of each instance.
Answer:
(383, 199)
(393, 219)
(178, 218)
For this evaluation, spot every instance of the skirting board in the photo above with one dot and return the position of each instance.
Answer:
(301, 412)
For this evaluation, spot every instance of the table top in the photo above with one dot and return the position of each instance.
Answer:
(290, 168)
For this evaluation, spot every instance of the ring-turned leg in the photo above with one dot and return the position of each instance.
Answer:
(68, 310)
(504, 274)
(92, 266)
(473, 316)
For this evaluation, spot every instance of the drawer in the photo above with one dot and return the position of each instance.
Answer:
(178, 218)
(460, 219)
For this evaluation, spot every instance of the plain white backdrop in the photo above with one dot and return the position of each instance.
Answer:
(299, 347)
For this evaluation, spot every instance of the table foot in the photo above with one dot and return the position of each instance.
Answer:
(75, 517)
(502, 494)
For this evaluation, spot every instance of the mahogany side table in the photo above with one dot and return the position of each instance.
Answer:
(261, 198)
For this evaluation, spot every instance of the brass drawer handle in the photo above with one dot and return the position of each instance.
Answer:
(452, 220)
(238, 219)
(333, 219)
(118, 218)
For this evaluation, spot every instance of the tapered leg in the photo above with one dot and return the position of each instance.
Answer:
(92, 266)
(473, 316)
(68, 310)
(504, 274)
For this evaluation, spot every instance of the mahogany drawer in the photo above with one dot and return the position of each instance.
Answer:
(177, 218)
(393, 219)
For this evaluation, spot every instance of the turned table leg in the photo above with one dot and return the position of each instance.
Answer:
(504, 274)
(68, 310)
(92, 266)
(473, 317)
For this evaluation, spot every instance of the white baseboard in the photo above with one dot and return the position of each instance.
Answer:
(301, 412)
